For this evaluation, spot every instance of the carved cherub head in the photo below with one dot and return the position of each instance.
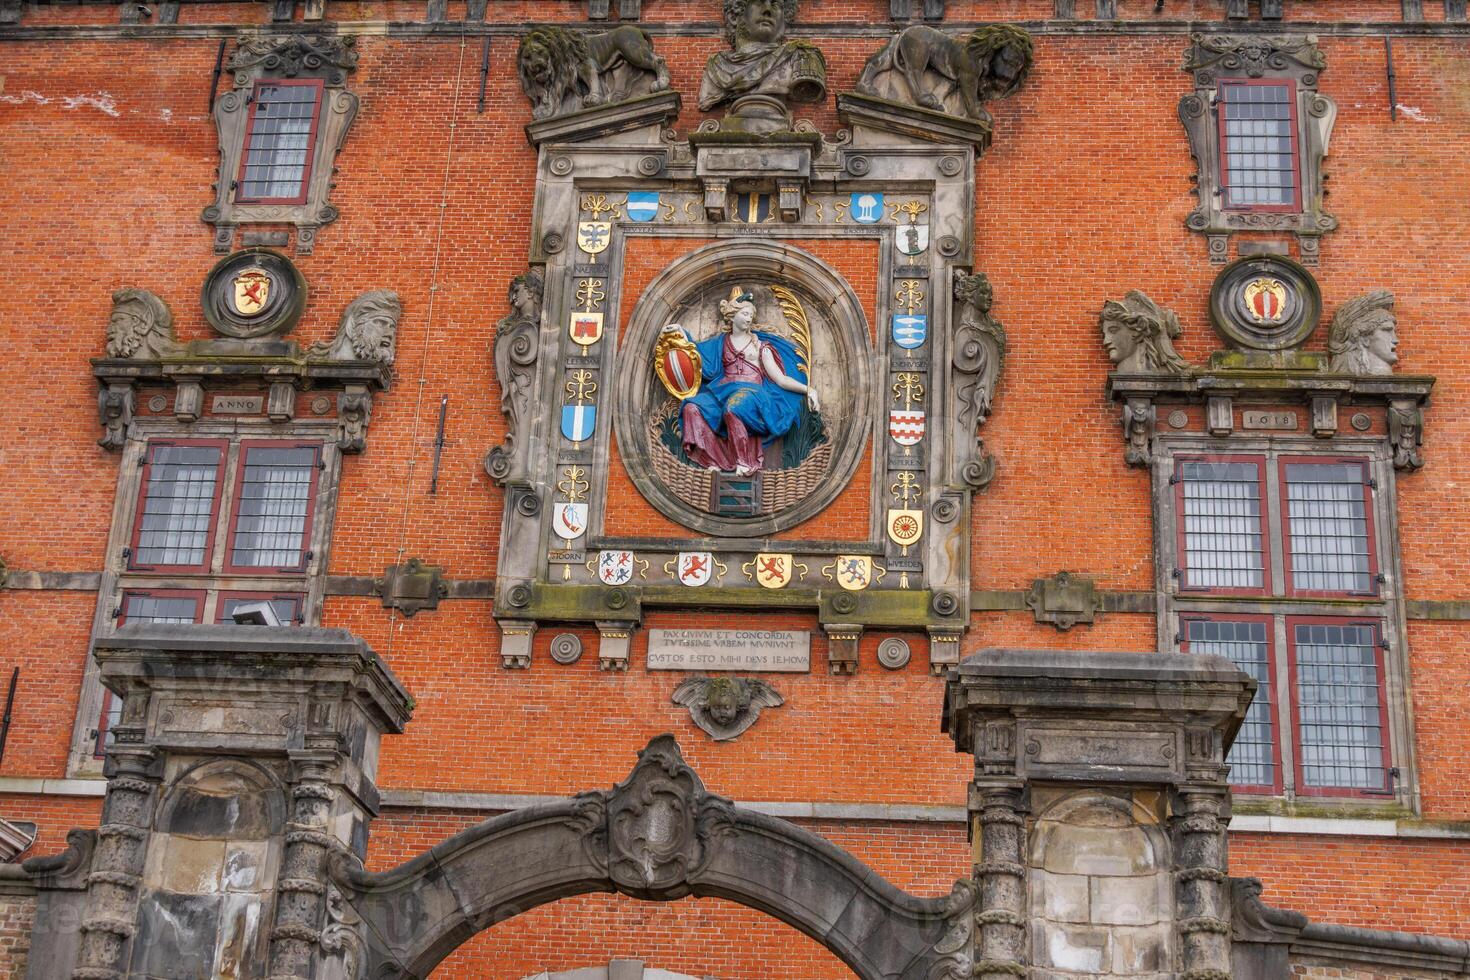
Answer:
(524, 295)
(1002, 53)
(1363, 338)
(757, 21)
(725, 706)
(369, 328)
(140, 325)
(1138, 335)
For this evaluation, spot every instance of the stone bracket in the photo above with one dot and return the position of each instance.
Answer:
(780, 163)
(1064, 600)
(842, 647)
(412, 587)
(515, 642)
(614, 643)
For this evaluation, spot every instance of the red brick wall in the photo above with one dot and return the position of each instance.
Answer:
(109, 156)
(17, 913)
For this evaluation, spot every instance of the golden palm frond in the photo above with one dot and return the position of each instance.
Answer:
(801, 330)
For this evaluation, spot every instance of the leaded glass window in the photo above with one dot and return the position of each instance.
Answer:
(1340, 728)
(273, 506)
(279, 142)
(1328, 528)
(1246, 643)
(1222, 539)
(1258, 145)
(180, 494)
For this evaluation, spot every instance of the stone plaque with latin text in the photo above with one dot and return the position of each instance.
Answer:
(785, 651)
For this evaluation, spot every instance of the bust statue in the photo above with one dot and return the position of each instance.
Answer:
(764, 72)
(1363, 338)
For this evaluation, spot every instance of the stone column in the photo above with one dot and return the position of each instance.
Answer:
(113, 884)
(1001, 874)
(301, 901)
(1202, 897)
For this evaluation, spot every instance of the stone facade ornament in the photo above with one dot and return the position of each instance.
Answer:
(141, 326)
(517, 344)
(564, 71)
(1212, 58)
(765, 72)
(1363, 338)
(368, 330)
(326, 57)
(412, 586)
(1138, 336)
(255, 294)
(979, 352)
(1266, 303)
(724, 707)
(929, 69)
(1064, 600)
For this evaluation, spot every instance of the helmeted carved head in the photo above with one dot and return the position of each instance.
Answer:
(525, 295)
(1363, 338)
(739, 310)
(136, 316)
(760, 21)
(369, 326)
(1138, 335)
(1003, 54)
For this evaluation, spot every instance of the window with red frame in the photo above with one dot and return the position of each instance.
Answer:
(1328, 527)
(286, 605)
(147, 606)
(1341, 712)
(174, 530)
(1259, 157)
(1255, 758)
(280, 138)
(275, 491)
(1221, 524)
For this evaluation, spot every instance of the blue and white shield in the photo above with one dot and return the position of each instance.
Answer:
(642, 205)
(578, 421)
(867, 208)
(910, 330)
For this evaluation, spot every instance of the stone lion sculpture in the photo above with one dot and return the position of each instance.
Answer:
(935, 67)
(1363, 338)
(725, 706)
(563, 70)
(368, 330)
(1139, 336)
(140, 326)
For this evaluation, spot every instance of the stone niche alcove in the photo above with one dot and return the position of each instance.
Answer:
(1100, 883)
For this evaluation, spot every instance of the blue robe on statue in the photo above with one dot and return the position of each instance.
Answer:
(767, 409)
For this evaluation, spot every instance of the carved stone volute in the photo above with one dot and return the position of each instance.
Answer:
(517, 346)
(978, 358)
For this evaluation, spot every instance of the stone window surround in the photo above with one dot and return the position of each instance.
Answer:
(1386, 608)
(116, 578)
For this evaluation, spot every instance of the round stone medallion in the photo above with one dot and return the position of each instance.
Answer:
(253, 293)
(566, 648)
(894, 653)
(1265, 302)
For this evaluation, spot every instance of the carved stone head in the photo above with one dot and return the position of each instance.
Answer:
(369, 328)
(1138, 335)
(1003, 54)
(1363, 338)
(757, 21)
(525, 296)
(724, 707)
(140, 326)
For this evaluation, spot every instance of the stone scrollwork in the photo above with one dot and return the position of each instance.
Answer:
(141, 326)
(1138, 335)
(327, 57)
(517, 345)
(979, 357)
(1406, 433)
(1363, 338)
(564, 71)
(1212, 58)
(368, 330)
(927, 68)
(955, 950)
(724, 707)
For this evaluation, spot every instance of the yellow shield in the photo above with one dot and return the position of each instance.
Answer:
(594, 236)
(586, 328)
(676, 362)
(905, 526)
(1265, 300)
(252, 291)
(773, 571)
(853, 572)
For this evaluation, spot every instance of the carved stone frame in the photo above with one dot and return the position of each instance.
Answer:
(296, 56)
(1212, 57)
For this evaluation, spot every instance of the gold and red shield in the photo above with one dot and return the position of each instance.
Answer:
(1265, 300)
(677, 364)
(252, 291)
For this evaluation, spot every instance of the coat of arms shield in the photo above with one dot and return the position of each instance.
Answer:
(615, 567)
(569, 521)
(594, 236)
(252, 291)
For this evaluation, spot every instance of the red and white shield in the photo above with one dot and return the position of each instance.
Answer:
(1265, 300)
(695, 567)
(906, 427)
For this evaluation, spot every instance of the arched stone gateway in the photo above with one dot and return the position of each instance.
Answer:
(658, 835)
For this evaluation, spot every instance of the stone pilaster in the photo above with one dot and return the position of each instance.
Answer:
(1000, 820)
(1202, 897)
(113, 884)
(301, 893)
